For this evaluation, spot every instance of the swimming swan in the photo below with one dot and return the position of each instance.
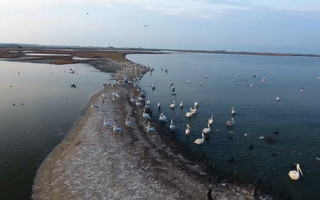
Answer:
(295, 174)
(199, 141)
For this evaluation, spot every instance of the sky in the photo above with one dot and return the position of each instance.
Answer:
(284, 26)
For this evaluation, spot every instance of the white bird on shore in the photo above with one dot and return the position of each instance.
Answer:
(199, 141)
(149, 128)
(106, 123)
(173, 104)
(145, 115)
(128, 123)
(206, 130)
(230, 123)
(295, 174)
(116, 128)
(133, 100)
(162, 117)
(188, 129)
(210, 120)
(233, 111)
(172, 126)
(148, 101)
(181, 104)
(94, 106)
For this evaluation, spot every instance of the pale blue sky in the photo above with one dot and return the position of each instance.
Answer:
(248, 25)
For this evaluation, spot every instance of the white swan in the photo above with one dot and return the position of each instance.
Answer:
(188, 129)
(210, 120)
(172, 126)
(106, 123)
(196, 104)
(145, 115)
(133, 100)
(199, 141)
(162, 117)
(173, 104)
(188, 114)
(94, 106)
(148, 101)
(128, 123)
(181, 104)
(116, 128)
(230, 122)
(206, 130)
(193, 110)
(233, 111)
(295, 174)
(149, 128)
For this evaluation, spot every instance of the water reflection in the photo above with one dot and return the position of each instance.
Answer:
(38, 108)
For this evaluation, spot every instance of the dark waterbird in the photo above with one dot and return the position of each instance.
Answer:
(251, 146)
(73, 86)
(277, 132)
(269, 139)
(230, 160)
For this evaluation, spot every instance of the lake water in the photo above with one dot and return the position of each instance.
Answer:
(38, 107)
(240, 150)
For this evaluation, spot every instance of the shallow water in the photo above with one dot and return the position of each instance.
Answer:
(296, 116)
(38, 107)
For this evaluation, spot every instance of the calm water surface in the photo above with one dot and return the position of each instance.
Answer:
(296, 116)
(38, 107)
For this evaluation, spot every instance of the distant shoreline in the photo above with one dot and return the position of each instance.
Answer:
(16, 51)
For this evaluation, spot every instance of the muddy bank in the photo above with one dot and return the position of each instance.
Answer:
(96, 162)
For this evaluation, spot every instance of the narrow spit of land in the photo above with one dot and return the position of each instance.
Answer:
(95, 162)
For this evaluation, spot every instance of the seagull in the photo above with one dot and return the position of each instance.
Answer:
(251, 85)
(199, 141)
(159, 105)
(295, 174)
(277, 98)
(188, 81)
(301, 90)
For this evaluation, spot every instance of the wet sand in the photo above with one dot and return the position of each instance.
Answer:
(95, 162)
